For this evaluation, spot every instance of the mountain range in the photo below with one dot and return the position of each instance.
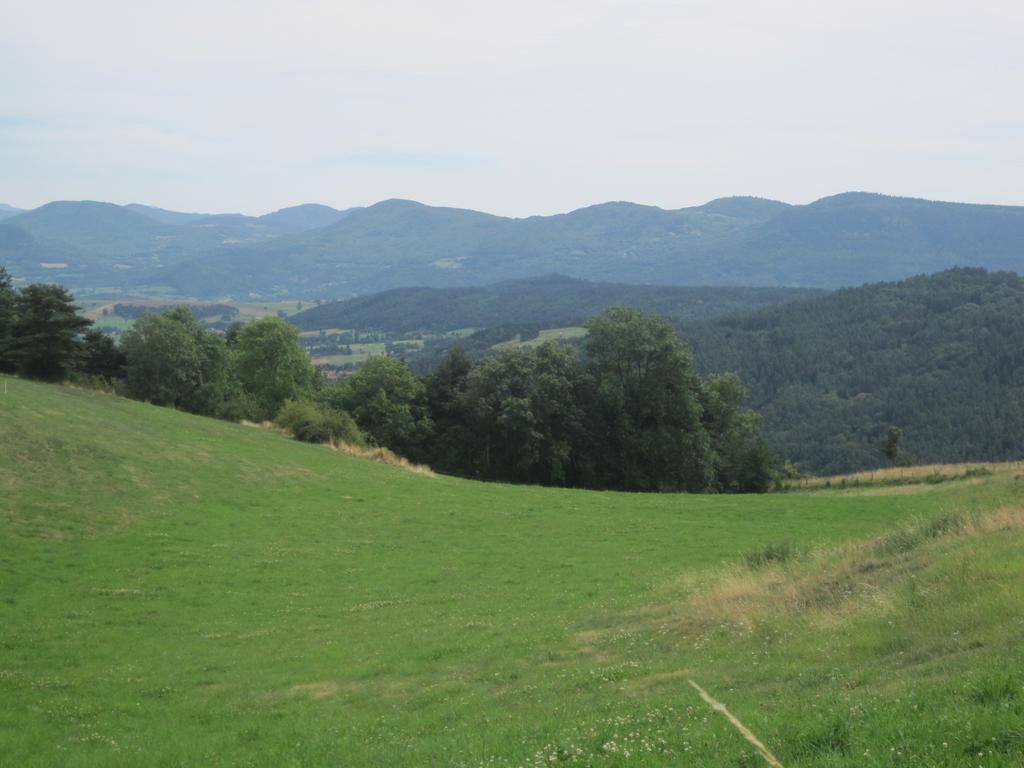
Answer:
(314, 251)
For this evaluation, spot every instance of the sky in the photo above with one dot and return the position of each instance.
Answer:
(515, 108)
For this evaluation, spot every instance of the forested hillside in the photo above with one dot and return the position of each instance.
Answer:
(313, 251)
(549, 301)
(939, 357)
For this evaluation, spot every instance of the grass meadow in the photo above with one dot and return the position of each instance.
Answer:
(180, 591)
(549, 334)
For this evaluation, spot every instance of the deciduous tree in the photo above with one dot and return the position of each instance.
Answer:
(172, 360)
(271, 365)
(388, 403)
(648, 429)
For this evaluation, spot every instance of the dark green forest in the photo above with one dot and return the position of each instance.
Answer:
(546, 302)
(939, 357)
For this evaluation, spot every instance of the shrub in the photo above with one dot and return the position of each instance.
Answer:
(311, 424)
(237, 406)
(342, 428)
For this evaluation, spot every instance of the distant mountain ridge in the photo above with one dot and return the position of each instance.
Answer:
(7, 211)
(164, 216)
(297, 218)
(313, 251)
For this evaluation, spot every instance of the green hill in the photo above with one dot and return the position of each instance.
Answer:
(938, 356)
(182, 591)
(550, 301)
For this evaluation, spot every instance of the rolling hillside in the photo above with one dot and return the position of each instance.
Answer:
(549, 301)
(180, 591)
(313, 251)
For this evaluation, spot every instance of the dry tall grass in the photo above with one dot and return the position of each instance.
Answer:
(384, 456)
(828, 583)
(381, 455)
(908, 475)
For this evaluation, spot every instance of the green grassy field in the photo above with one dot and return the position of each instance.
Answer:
(549, 334)
(360, 354)
(181, 591)
(247, 311)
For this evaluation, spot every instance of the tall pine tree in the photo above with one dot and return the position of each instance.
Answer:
(47, 332)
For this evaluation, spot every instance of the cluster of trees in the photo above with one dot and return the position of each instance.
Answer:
(629, 414)
(633, 415)
(42, 336)
(166, 358)
(248, 373)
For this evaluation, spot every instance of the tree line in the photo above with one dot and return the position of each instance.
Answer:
(630, 413)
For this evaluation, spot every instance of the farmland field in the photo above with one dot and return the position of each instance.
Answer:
(549, 334)
(102, 312)
(176, 590)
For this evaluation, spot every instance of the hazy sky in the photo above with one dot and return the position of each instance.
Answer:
(518, 107)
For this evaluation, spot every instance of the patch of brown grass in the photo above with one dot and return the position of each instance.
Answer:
(826, 585)
(384, 456)
(266, 425)
(391, 688)
(895, 476)
(316, 691)
(658, 679)
(380, 455)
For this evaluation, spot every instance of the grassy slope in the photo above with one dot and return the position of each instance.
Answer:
(181, 591)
